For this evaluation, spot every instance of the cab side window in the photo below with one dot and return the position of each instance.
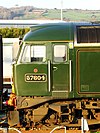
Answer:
(26, 54)
(34, 53)
(60, 53)
(38, 53)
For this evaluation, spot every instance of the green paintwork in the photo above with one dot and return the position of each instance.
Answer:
(60, 79)
(88, 70)
(83, 74)
(51, 32)
(30, 88)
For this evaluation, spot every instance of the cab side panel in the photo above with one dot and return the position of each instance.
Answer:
(30, 83)
(88, 71)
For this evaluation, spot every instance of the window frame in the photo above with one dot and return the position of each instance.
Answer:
(66, 53)
(32, 45)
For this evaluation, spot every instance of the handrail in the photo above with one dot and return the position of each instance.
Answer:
(6, 129)
(58, 127)
(70, 74)
(49, 75)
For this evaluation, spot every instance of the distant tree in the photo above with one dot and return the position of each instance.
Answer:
(13, 32)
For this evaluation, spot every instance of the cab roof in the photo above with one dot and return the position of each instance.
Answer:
(55, 31)
(50, 32)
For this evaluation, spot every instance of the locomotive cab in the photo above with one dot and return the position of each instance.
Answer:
(43, 67)
(56, 75)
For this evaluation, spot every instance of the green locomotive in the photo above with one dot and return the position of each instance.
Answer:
(56, 75)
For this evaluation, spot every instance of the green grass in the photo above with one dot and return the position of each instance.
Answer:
(68, 15)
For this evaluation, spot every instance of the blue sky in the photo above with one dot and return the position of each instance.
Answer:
(79, 4)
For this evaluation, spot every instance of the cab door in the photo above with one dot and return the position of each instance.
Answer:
(60, 85)
(31, 71)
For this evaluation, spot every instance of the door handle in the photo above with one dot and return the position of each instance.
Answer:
(55, 68)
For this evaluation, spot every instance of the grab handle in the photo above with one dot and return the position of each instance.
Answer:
(49, 75)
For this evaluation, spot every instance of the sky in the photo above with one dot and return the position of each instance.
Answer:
(73, 4)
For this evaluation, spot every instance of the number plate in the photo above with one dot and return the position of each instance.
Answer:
(35, 77)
